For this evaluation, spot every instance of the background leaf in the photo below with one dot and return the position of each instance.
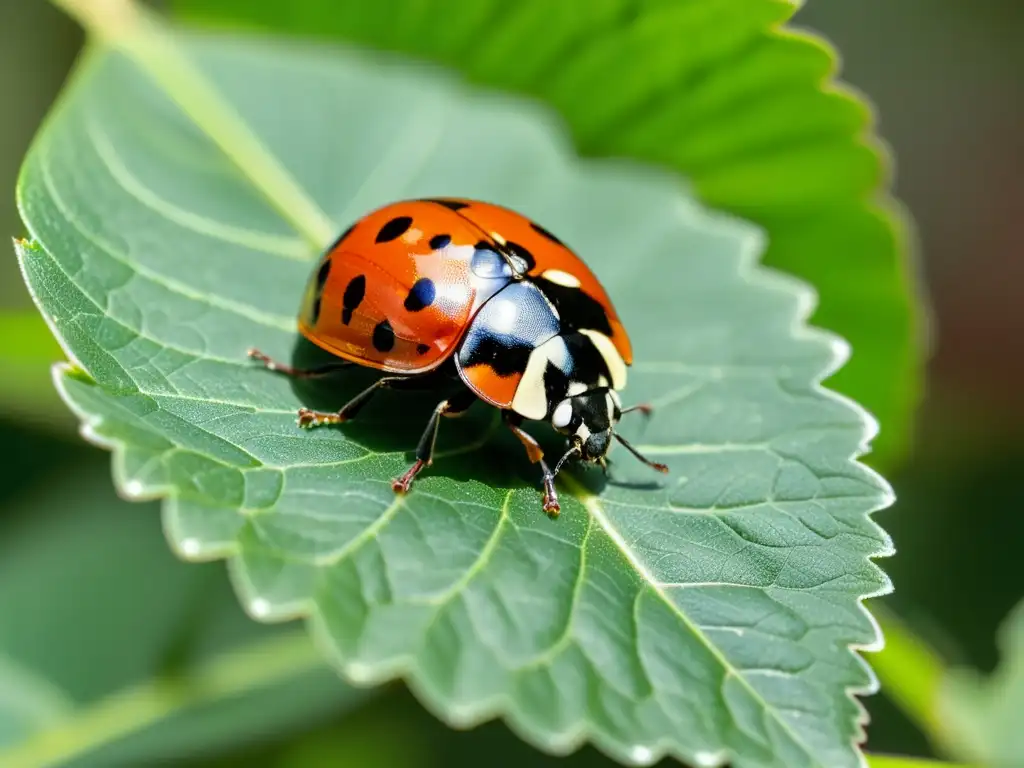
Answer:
(92, 605)
(714, 89)
(27, 357)
(710, 616)
(981, 715)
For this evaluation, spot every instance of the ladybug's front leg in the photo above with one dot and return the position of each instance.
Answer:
(536, 456)
(453, 406)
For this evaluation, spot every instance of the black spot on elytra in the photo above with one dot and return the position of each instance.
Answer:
(421, 295)
(522, 253)
(394, 228)
(383, 337)
(437, 242)
(354, 293)
(423, 348)
(321, 281)
(454, 205)
(540, 230)
(576, 309)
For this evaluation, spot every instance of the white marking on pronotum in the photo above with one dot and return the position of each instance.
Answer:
(259, 607)
(562, 415)
(531, 398)
(576, 388)
(612, 358)
(561, 278)
(133, 488)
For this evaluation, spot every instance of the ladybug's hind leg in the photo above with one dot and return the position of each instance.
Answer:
(297, 373)
(453, 406)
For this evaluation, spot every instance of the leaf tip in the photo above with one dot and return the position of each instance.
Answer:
(75, 373)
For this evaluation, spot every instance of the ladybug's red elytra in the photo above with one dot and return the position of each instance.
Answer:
(466, 291)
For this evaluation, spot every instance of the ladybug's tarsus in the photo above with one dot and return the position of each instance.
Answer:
(453, 406)
(347, 412)
(403, 483)
(308, 419)
(536, 456)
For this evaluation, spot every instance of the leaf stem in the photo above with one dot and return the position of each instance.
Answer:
(123, 25)
(910, 671)
(257, 665)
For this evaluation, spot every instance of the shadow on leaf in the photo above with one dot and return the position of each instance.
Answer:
(474, 446)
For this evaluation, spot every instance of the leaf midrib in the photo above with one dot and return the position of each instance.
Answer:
(594, 508)
(290, 248)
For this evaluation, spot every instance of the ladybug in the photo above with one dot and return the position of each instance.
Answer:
(481, 297)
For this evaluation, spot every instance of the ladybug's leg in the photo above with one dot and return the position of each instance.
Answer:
(297, 373)
(453, 406)
(657, 465)
(309, 418)
(645, 408)
(536, 455)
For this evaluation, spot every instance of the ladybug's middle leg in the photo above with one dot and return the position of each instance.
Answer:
(453, 406)
(310, 418)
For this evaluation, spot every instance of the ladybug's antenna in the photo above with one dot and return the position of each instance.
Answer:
(574, 450)
(653, 464)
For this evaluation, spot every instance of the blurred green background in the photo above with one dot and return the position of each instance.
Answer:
(945, 77)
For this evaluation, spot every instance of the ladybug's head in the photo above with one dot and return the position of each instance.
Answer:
(589, 420)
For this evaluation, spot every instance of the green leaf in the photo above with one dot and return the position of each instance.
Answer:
(90, 602)
(898, 761)
(910, 671)
(982, 715)
(28, 702)
(711, 615)
(717, 90)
